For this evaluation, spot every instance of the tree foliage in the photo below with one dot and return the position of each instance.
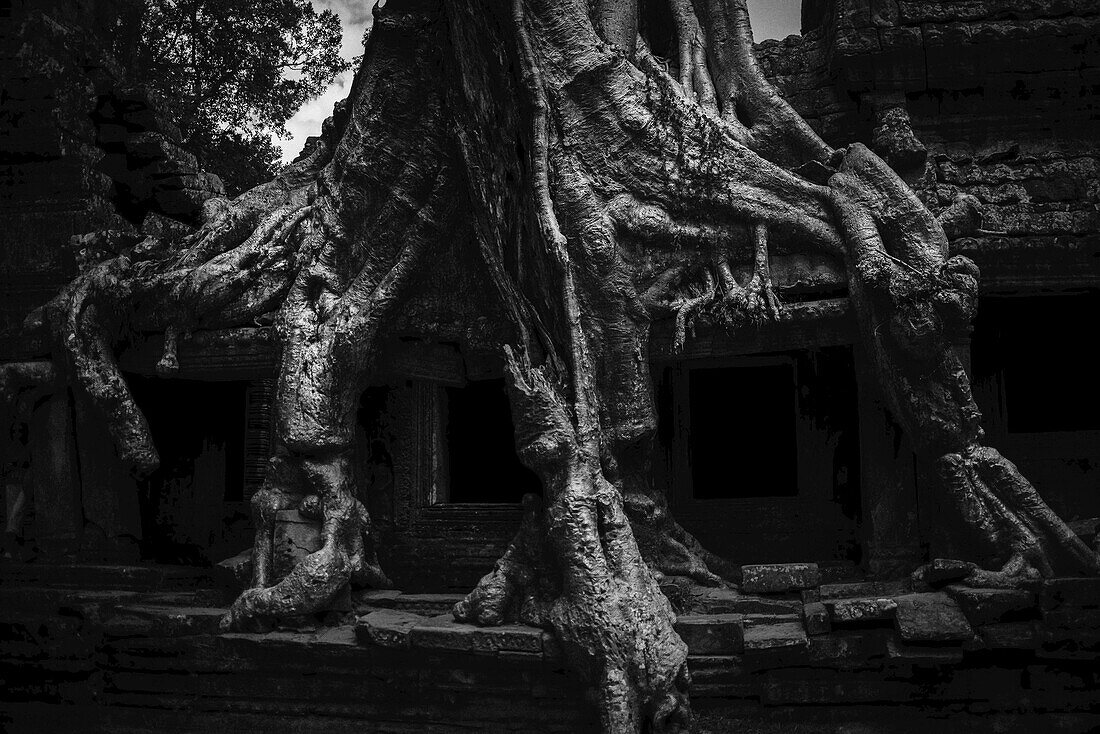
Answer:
(234, 71)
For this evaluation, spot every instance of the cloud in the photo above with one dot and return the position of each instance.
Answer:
(355, 17)
(770, 19)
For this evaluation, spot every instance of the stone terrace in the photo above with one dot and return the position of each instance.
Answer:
(138, 649)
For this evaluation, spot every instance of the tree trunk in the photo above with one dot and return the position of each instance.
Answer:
(603, 187)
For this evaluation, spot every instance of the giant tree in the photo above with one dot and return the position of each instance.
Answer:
(600, 187)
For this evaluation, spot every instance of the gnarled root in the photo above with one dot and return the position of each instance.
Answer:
(315, 580)
(576, 569)
(1010, 519)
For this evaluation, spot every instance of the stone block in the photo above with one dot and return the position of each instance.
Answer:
(295, 537)
(932, 617)
(861, 610)
(945, 570)
(156, 621)
(1009, 636)
(386, 628)
(711, 634)
(1072, 592)
(729, 601)
(429, 605)
(777, 578)
(984, 606)
(815, 618)
(829, 592)
(508, 637)
(786, 635)
(443, 633)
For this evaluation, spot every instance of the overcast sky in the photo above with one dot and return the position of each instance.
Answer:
(770, 19)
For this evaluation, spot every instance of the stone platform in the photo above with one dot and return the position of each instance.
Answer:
(137, 649)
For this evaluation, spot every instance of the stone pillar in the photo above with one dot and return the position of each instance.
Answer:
(891, 528)
(54, 482)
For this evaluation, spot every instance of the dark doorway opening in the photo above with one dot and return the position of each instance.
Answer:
(480, 443)
(199, 431)
(743, 432)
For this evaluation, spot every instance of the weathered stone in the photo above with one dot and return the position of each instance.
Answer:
(443, 633)
(775, 636)
(428, 605)
(809, 596)
(861, 609)
(849, 648)
(157, 621)
(830, 592)
(295, 537)
(711, 634)
(932, 617)
(508, 637)
(1009, 635)
(815, 617)
(1074, 592)
(775, 578)
(728, 601)
(983, 606)
(945, 570)
(387, 628)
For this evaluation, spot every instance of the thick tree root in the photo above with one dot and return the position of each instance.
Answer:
(576, 569)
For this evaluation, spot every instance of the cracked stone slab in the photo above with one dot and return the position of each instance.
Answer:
(931, 617)
(777, 578)
(387, 627)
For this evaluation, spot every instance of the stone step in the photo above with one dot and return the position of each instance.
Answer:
(785, 635)
(163, 621)
(394, 628)
(90, 576)
(778, 578)
(931, 618)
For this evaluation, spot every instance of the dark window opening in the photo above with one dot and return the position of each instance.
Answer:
(480, 443)
(1039, 346)
(743, 432)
